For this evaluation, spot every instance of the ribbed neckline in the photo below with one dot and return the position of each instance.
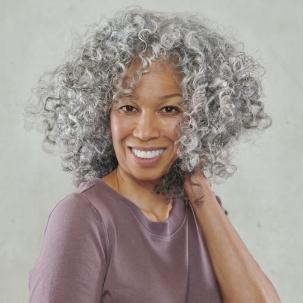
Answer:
(168, 227)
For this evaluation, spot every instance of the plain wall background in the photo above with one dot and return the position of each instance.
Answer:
(264, 197)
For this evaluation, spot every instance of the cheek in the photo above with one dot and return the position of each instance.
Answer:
(173, 129)
(119, 127)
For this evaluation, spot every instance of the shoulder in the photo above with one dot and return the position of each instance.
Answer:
(73, 215)
(76, 212)
(75, 220)
(82, 201)
(74, 205)
(76, 225)
(91, 204)
(103, 198)
(74, 253)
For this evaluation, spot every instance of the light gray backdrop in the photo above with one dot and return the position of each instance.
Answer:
(264, 198)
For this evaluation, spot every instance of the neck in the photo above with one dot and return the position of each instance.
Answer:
(126, 181)
(139, 192)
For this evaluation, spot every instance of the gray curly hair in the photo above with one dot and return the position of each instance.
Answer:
(220, 85)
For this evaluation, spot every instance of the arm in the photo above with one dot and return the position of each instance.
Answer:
(72, 262)
(239, 276)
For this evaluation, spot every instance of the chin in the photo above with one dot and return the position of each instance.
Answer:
(152, 175)
(145, 177)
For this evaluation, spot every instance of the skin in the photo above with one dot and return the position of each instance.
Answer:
(239, 275)
(147, 119)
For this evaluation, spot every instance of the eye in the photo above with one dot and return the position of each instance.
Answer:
(170, 109)
(128, 109)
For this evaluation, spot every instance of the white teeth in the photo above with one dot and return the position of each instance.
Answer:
(148, 154)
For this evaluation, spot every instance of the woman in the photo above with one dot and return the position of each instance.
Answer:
(142, 114)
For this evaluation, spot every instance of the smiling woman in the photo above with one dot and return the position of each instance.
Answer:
(150, 107)
(153, 121)
(145, 127)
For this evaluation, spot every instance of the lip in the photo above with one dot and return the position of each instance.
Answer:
(145, 162)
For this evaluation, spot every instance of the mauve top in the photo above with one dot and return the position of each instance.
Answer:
(98, 247)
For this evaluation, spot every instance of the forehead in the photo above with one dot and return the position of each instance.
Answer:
(162, 73)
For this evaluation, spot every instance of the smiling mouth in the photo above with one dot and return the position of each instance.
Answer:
(138, 152)
(145, 148)
(147, 159)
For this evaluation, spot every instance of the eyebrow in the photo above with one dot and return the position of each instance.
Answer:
(170, 96)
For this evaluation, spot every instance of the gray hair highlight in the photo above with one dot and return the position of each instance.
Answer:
(221, 88)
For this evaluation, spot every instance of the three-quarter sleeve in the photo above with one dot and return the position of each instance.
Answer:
(71, 266)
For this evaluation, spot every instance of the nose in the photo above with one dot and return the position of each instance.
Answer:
(147, 127)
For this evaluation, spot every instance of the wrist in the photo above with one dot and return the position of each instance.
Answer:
(203, 197)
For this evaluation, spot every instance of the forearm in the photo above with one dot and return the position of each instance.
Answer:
(239, 276)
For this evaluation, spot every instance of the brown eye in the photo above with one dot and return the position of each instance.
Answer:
(170, 109)
(128, 109)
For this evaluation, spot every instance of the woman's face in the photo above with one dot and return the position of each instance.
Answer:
(145, 125)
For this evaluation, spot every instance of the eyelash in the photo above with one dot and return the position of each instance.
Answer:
(175, 108)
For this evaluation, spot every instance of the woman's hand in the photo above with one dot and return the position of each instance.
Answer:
(197, 187)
